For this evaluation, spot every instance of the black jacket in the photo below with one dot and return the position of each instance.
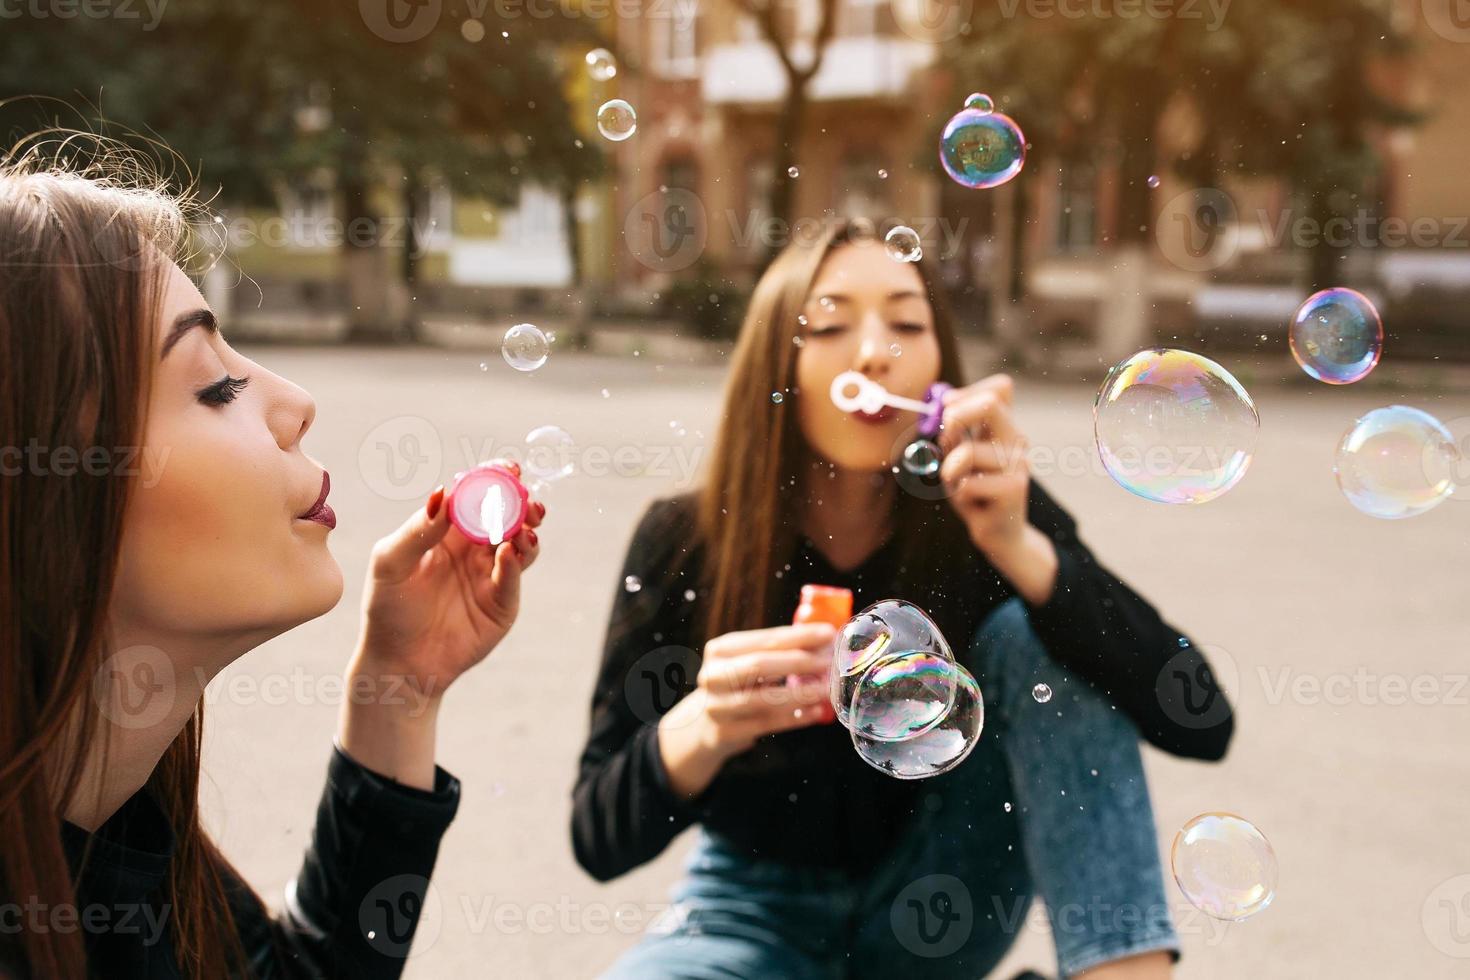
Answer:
(351, 911)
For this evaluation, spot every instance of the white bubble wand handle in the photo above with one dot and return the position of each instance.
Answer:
(853, 391)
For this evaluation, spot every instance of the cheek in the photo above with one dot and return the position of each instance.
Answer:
(208, 540)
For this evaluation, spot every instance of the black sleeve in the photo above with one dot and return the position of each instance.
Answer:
(623, 810)
(354, 906)
(1102, 630)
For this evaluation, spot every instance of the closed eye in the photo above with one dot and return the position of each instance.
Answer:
(223, 391)
(910, 328)
(828, 329)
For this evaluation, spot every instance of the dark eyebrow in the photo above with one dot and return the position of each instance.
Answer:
(185, 323)
(906, 294)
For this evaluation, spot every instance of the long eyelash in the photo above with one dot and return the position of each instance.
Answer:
(223, 392)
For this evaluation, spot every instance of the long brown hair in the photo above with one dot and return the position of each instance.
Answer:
(83, 246)
(748, 509)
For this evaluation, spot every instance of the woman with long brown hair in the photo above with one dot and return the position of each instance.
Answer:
(810, 862)
(159, 518)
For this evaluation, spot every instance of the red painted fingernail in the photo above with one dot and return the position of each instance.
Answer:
(435, 499)
(540, 509)
(532, 535)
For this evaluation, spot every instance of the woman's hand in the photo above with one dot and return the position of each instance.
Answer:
(751, 683)
(988, 477)
(436, 604)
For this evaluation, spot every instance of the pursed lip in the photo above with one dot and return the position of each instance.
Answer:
(320, 512)
(881, 417)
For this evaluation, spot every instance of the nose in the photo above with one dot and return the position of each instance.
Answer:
(872, 354)
(291, 411)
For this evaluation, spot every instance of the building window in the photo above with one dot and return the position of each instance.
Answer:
(1076, 225)
(673, 39)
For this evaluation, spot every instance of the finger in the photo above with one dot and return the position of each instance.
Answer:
(814, 708)
(398, 554)
(752, 670)
(985, 417)
(981, 489)
(500, 593)
(808, 636)
(762, 705)
(535, 513)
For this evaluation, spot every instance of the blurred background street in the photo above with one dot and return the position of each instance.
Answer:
(1284, 583)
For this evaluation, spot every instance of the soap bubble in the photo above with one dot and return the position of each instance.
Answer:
(916, 714)
(525, 347)
(921, 458)
(632, 583)
(601, 65)
(1042, 693)
(980, 102)
(793, 172)
(883, 629)
(777, 398)
(1337, 336)
(549, 453)
(616, 120)
(902, 244)
(1224, 866)
(1153, 180)
(1396, 462)
(982, 148)
(1174, 427)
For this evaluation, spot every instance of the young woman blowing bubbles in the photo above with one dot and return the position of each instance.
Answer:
(811, 863)
(123, 592)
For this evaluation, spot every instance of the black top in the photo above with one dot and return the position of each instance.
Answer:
(805, 797)
(350, 912)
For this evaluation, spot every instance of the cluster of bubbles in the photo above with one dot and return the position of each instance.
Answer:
(980, 147)
(1174, 426)
(912, 710)
(1224, 866)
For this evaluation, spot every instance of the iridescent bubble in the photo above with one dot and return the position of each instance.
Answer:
(632, 583)
(921, 458)
(881, 630)
(1175, 427)
(902, 244)
(980, 102)
(777, 398)
(1224, 866)
(916, 714)
(601, 64)
(1337, 336)
(982, 148)
(1396, 462)
(616, 120)
(525, 347)
(550, 453)
(1153, 180)
(1042, 693)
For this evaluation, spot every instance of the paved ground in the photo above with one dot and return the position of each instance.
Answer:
(1365, 799)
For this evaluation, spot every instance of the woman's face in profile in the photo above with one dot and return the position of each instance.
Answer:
(214, 542)
(866, 312)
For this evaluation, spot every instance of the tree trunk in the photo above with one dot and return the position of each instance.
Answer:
(788, 140)
(364, 269)
(410, 258)
(1124, 326)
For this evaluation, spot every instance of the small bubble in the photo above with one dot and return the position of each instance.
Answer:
(793, 172)
(606, 393)
(689, 595)
(777, 397)
(632, 584)
(882, 175)
(895, 350)
(1153, 180)
(616, 120)
(472, 31)
(1008, 807)
(1042, 693)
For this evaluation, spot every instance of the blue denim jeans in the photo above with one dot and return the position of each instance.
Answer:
(1051, 803)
